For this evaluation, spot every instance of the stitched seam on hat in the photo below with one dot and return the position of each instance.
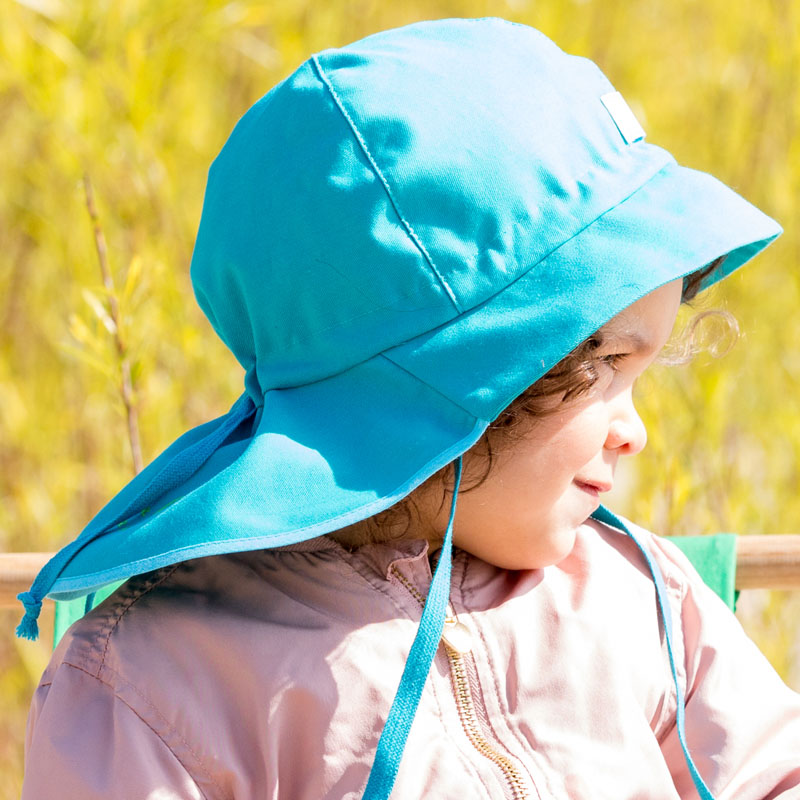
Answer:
(669, 162)
(406, 224)
(432, 388)
(522, 275)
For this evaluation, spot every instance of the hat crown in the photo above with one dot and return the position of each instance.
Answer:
(388, 186)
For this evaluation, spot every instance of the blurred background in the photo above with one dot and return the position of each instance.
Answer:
(104, 355)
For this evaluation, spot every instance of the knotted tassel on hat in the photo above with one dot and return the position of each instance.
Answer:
(175, 472)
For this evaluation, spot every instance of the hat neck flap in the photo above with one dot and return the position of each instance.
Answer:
(155, 482)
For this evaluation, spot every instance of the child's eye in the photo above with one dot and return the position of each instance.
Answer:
(614, 359)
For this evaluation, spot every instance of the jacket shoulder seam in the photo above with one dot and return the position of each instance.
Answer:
(126, 605)
(168, 727)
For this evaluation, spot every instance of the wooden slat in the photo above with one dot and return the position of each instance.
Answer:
(768, 562)
(17, 571)
(762, 562)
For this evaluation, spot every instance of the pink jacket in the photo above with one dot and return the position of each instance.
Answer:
(267, 676)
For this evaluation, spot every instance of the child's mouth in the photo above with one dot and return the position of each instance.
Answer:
(591, 488)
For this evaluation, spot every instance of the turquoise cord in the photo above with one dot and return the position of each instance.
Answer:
(404, 707)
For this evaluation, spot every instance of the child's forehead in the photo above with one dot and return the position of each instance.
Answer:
(645, 324)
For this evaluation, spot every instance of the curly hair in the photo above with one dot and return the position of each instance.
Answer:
(569, 379)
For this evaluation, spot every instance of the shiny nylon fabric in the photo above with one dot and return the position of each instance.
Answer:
(395, 732)
(393, 253)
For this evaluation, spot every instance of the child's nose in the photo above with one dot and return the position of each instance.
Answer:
(626, 431)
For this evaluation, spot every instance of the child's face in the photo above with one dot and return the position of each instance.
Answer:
(544, 487)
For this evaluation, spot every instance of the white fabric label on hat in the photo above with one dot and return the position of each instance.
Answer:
(623, 117)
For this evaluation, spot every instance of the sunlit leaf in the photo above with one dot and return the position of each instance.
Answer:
(99, 310)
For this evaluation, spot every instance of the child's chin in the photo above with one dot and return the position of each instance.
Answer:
(545, 553)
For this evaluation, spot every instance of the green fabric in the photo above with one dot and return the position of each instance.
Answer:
(714, 557)
(69, 611)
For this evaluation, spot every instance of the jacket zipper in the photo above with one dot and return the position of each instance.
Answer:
(457, 639)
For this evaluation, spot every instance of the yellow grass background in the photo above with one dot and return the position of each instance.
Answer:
(140, 95)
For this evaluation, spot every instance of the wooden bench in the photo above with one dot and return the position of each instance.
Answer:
(762, 562)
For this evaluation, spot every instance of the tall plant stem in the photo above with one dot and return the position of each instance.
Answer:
(126, 383)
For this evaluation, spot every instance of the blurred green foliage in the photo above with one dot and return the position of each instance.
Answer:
(140, 95)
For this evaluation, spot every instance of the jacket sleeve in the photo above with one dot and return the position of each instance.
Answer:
(84, 743)
(742, 721)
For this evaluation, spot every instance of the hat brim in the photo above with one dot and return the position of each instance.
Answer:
(321, 456)
(674, 224)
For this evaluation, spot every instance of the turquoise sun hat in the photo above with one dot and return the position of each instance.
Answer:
(396, 241)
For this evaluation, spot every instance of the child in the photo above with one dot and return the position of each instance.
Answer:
(443, 247)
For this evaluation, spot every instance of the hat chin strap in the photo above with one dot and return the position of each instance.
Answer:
(607, 517)
(426, 642)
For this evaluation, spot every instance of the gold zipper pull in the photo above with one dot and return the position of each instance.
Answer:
(456, 635)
